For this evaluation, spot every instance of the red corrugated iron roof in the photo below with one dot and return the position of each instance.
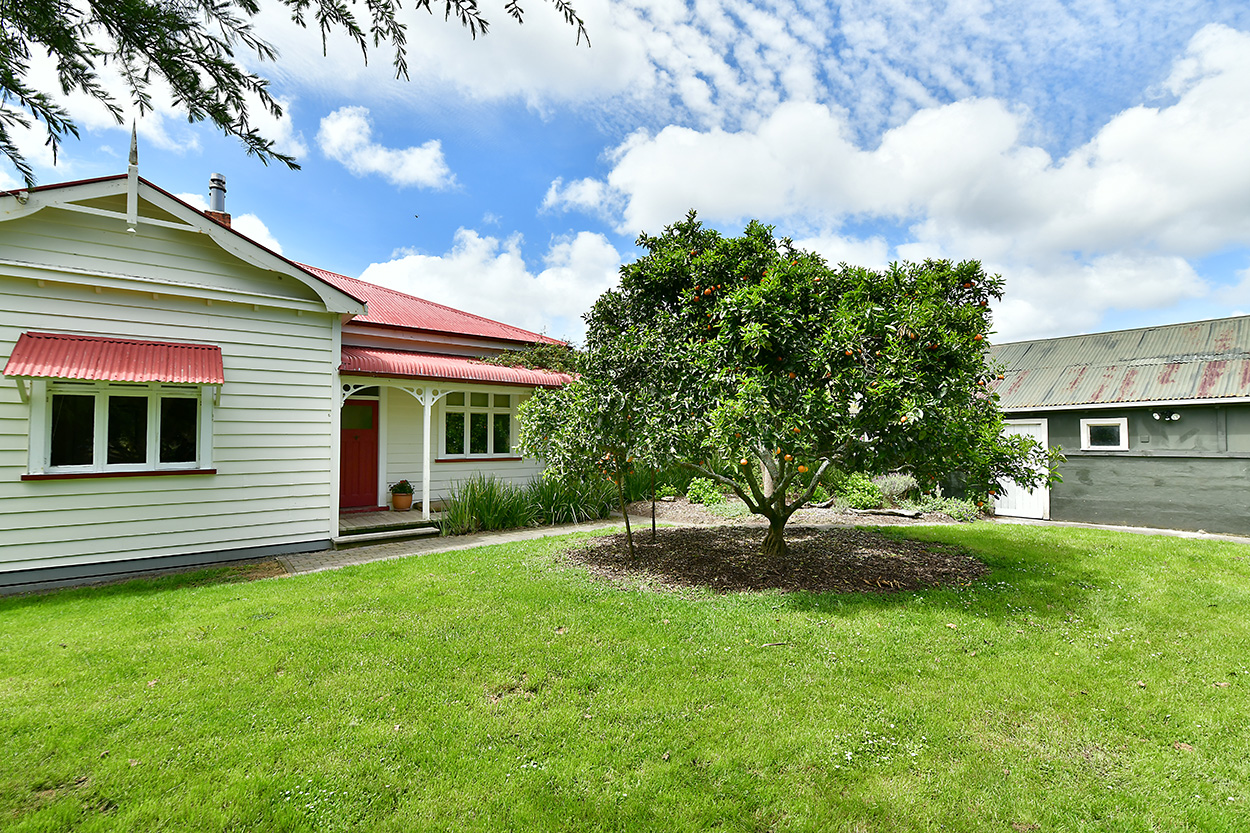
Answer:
(391, 308)
(107, 359)
(369, 361)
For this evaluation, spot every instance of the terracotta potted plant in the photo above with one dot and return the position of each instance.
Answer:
(401, 496)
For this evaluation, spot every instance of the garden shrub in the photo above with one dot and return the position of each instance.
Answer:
(957, 509)
(672, 481)
(485, 502)
(558, 502)
(895, 486)
(857, 491)
(703, 490)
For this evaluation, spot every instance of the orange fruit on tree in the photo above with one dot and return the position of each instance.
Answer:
(802, 469)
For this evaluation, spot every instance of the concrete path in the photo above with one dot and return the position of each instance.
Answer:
(1134, 530)
(314, 562)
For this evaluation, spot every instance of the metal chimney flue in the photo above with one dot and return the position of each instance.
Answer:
(217, 193)
(217, 199)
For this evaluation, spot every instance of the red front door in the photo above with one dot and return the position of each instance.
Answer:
(358, 454)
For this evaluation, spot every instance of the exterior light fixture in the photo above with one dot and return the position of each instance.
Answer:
(1165, 416)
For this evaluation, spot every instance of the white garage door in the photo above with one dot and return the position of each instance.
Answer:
(1012, 500)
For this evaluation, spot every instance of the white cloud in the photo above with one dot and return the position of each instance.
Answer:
(8, 181)
(249, 225)
(1111, 225)
(279, 129)
(590, 196)
(488, 276)
(346, 136)
(252, 226)
(873, 253)
(1238, 294)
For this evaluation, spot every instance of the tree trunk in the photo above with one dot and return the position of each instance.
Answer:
(653, 504)
(629, 535)
(775, 542)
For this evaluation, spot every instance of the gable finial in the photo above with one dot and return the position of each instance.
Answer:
(132, 181)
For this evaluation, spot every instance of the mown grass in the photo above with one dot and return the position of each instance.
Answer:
(497, 689)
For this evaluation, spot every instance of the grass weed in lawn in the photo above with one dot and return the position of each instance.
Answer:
(1092, 681)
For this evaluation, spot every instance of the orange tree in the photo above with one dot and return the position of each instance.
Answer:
(751, 350)
(598, 425)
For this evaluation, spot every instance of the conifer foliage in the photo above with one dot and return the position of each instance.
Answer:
(194, 48)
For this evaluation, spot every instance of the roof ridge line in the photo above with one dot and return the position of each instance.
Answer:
(1123, 330)
(455, 310)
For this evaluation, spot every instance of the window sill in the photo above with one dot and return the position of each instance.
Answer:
(482, 459)
(91, 475)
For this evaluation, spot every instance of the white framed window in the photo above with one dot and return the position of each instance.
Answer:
(1104, 434)
(478, 424)
(115, 427)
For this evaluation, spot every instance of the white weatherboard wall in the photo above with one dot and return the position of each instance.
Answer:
(271, 427)
(403, 446)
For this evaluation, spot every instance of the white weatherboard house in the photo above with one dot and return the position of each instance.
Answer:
(174, 393)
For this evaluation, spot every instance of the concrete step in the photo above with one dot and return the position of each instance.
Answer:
(361, 539)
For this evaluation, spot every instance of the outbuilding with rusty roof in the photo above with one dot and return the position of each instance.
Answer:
(1154, 422)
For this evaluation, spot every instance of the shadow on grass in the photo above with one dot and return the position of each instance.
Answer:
(166, 581)
(1046, 570)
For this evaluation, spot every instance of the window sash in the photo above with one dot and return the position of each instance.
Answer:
(132, 428)
(1096, 433)
(478, 425)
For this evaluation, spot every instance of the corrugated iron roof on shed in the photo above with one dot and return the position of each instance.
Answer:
(1198, 361)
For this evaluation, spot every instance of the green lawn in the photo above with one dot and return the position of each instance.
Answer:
(1092, 681)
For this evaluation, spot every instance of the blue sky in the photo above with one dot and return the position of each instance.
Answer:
(1096, 154)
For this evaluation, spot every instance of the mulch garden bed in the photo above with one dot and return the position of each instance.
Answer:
(728, 559)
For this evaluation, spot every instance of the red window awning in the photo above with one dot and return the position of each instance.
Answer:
(107, 359)
(368, 361)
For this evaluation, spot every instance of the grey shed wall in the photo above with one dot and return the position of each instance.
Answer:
(1190, 474)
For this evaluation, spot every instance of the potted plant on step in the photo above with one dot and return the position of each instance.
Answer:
(401, 496)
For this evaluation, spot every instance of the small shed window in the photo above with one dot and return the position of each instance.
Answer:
(1104, 434)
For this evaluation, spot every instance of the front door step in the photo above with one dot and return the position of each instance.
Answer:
(360, 539)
